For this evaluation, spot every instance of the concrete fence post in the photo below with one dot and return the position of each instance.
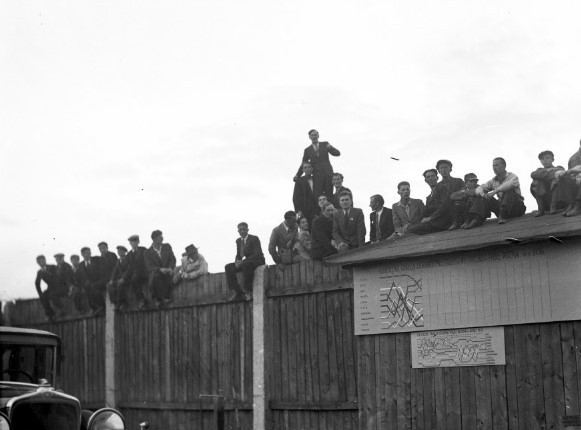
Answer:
(258, 367)
(110, 385)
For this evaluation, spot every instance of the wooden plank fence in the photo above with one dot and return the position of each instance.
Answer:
(318, 374)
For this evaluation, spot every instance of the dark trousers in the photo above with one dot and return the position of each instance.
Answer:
(510, 205)
(50, 298)
(161, 286)
(545, 195)
(138, 285)
(426, 228)
(569, 191)
(96, 296)
(247, 269)
(118, 293)
(80, 300)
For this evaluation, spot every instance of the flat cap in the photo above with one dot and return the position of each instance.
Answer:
(133, 237)
(122, 247)
(59, 254)
(469, 176)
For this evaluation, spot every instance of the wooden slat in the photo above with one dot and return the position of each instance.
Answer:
(552, 379)
(468, 397)
(569, 350)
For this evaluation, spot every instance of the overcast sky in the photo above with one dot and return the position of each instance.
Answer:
(121, 117)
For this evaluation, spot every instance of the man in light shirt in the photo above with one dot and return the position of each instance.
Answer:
(407, 211)
(506, 186)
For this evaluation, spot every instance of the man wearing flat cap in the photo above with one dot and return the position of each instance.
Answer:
(137, 275)
(119, 283)
(193, 265)
(91, 282)
(545, 184)
(160, 262)
(462, 202)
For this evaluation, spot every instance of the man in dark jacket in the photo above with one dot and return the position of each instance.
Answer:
(437, 215)
(318, 155)
(137, 274)
(322, 244)
(304, 194)
(380, 220)
(348, 224)
(51, 296)
(118, 284)
(91, 282)
(161, 262)
(248, 257)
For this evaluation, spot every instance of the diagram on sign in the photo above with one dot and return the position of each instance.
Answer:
(469, 347)
(401, 302)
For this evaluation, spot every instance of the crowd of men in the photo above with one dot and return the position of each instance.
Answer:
(324, 222)
(146, 273)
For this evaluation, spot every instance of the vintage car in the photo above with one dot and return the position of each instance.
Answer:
(30, 398)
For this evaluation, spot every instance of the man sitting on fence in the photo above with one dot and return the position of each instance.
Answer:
(91, 282)
(52, 296)
(193, 265)
(348, 224)
(160, 262)
(322, 243)
(248, 257)
(119, 283)
(283, 238)
(137, 275)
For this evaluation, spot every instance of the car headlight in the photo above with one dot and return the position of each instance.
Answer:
(4, 423)
(106, 419)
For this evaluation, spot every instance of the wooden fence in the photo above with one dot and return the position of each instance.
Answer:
(318, 374)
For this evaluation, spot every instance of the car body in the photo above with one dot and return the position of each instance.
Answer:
(30, 397)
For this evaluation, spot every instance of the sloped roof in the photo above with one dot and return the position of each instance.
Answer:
(524, 229)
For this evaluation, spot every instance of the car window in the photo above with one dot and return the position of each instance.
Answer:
(27, 363)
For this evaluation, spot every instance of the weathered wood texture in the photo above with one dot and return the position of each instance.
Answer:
(537, 389)
(310, 347)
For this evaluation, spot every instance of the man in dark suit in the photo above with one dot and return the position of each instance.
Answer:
(304, 194)
(91, 282)
(137, 274)
(107, 264)
(380, 220)
(283, 238)
(160, 262)
(437, 214)
(339, 188)
(318, 155)
(51, 296)
(248, 257)
(322, 244)
(78, 295)
(118, 284)
(348, 224)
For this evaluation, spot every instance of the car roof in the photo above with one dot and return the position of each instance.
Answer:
(11, 332)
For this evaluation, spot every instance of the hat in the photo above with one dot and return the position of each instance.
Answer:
(190, 249)
(133, 237)
(155, 233)
(469, 176)
(100, 244)
(60, 254)
(122, 247)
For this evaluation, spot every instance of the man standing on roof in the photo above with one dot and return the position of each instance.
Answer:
(318, 155)
(506, 186)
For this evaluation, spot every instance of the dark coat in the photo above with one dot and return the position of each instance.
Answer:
(154, 262)
(321, 236)
(385, 225)
(122, 267)
(335, 198)
(321, 164)
(90, 275)
(108, 263)
(279, 240)
(352, 233)
(48, 276)
(438, 206)
(137, 268)
(305, 199)
(252, 251)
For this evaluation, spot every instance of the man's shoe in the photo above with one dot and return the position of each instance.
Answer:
(474, 223)
(575, 211)
(539, 213)
(454, 226)
(501, 221)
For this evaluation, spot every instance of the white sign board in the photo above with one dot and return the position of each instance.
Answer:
(514, 285)
(462, 347)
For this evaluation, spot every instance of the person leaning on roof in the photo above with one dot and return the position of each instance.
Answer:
(506, 186)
